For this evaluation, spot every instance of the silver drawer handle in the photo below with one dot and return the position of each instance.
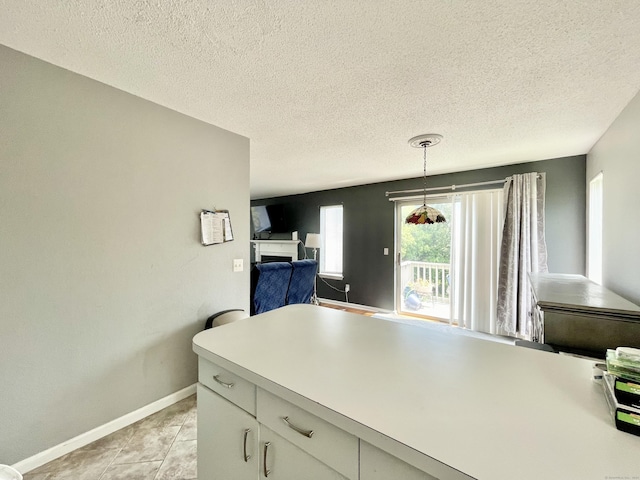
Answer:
(264, 465)
(306, 433)
(225, 385)
(246, 456)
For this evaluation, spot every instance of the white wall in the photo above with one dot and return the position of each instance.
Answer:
(617, 155)
(103, 281)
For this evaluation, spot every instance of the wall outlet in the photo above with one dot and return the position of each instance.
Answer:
(347, 287)
(385, 251)
(238, 265)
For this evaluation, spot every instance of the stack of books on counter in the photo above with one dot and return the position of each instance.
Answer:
(621, 385)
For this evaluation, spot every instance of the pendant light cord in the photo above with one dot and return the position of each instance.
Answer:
(424, 175)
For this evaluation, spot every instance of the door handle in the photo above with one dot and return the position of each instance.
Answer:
(306, 433)
(244, 450)
(264, 464)
(224, 384)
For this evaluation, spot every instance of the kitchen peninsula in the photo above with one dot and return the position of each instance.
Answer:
(316, 393)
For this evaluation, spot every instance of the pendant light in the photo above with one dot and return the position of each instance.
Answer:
(425, 214)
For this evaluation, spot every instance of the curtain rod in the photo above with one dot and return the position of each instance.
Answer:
(450, 187)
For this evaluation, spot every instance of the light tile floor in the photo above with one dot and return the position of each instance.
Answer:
(159, 447)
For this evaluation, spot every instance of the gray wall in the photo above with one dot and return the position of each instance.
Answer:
(103, 282)
(617, 155)
(369, 223)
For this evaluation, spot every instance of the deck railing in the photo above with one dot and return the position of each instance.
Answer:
(433, 278)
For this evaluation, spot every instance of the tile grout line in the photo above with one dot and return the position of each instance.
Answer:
(169, 449)
(116, 456)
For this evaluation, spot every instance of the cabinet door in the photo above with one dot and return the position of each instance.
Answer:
(285, 461)
(227, 439)
(376, 464)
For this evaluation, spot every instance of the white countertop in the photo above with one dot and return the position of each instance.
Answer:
(490, 410)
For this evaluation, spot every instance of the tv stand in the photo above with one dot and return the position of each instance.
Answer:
(276, 248)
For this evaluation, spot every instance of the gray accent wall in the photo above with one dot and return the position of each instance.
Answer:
(103, 280)
(617, 155)
(369, 224)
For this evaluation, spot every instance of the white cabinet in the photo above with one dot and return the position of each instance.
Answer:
(237, 390)
(329, 444)
(376, 464)
(233, 444)
(227, 439)
(285, 461)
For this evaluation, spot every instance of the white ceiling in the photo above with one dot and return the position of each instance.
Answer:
(329, 92)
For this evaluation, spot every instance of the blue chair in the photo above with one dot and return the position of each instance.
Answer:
(269, 285)
(302, 281)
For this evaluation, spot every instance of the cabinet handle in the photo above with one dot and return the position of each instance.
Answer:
(225, 385)
(306, 433)
(246, 456)
(264, 465)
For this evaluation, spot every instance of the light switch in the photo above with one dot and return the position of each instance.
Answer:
(386, 251)
(238, 265)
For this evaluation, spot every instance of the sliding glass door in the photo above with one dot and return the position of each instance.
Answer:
(449, 271)
(423, 262)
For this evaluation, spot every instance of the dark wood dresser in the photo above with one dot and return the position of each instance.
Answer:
(573, 314)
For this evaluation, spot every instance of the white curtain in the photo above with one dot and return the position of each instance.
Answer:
(523, 250)
(476, 232)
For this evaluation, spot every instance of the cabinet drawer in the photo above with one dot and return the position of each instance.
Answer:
(228, 385)
(329, 444)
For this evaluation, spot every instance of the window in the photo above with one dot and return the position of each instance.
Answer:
(331, 241)
(594, 259)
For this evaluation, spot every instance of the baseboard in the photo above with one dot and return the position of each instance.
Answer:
(97, 433)
(352, 305)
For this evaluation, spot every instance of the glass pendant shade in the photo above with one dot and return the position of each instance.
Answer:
(425, 214)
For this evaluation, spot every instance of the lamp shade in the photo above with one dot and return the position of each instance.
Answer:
(425, 215)
(312, 241)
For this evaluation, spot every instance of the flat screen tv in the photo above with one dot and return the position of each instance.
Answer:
(269, 218)
(260, 219)
(278, 219)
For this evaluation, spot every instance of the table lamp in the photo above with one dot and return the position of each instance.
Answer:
(313, 241)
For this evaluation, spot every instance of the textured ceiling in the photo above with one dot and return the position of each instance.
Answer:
(329, 92)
